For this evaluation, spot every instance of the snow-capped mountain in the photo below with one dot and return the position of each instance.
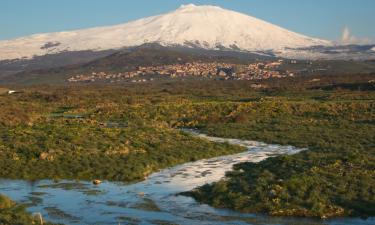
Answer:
(208, 27)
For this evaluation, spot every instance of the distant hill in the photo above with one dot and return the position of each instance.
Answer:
(9, 67)
(153, 55)
(129, 59)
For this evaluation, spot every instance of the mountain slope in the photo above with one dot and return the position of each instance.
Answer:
(155, 55)
(128, 59)
(207, 27)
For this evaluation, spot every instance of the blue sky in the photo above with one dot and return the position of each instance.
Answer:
(318, 18)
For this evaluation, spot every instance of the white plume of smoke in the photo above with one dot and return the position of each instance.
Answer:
(347, 38)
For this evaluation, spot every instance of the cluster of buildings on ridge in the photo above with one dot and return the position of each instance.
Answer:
(225, 71)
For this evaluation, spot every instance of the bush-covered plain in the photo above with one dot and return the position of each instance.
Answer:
(125, 133)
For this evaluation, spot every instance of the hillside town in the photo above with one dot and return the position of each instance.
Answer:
(213, 70)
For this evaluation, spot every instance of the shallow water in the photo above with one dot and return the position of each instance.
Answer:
(154, 200)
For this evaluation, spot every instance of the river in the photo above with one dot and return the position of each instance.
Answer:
(153, 201)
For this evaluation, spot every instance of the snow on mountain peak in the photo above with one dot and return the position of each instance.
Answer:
(191, 5)
(205, 26)
(196, 7)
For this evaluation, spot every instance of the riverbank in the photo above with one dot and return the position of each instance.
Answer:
(153, 201)
(334, 178)
(55, 150)
(14, 213)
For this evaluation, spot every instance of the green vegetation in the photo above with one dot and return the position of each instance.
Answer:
(87, 151)
(14, 214)
(89, 134)
(125, 133)
(335, 177)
